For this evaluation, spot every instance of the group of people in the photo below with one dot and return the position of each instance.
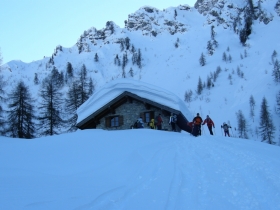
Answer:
(152, 124)
(157, 124)
(197, 122)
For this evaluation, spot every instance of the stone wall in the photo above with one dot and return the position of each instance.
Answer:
(131, 112)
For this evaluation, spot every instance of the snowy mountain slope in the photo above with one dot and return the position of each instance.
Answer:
(177, 69)
(138, 169)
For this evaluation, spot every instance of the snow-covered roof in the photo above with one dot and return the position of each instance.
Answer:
(115, 88)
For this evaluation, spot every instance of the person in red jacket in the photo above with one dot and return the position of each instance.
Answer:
(209, 123)
(159, 122)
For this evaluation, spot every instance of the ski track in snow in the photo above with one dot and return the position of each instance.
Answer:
(192, 172)
(159, 170)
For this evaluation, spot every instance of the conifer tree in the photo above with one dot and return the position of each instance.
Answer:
(134, 58)
(238, 71)
(21, 113)
(202, 60)
(213, 33)
(127, 43)
(96, 58)
(216, 73)
(133, 49)
(188, 96)
(273, 56)
(74, 100)
(131, 73)
(69, 72)
(229, 58)
(241, 125)
(36, 80)
(245, 53)
(72, 103)
(210, 48)
(208, 83)
(215, 43)
(199, 86)
(125, 60)
(123, 73)
(122, 44)
(252, 107)
(225, 57)
(267, 128)
(57, 77)
(276, 71)
(139, 59)
(278, 102)
(90, 87)
(243, 36)
(251, 8)
(83, 84)
(50, 119)
(2, 100)
(117, 60)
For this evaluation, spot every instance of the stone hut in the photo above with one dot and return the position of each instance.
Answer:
(117, 105)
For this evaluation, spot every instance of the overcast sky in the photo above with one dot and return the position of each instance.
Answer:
(31, 29)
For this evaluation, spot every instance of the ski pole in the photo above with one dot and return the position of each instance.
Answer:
(232, 132)
(202, 129)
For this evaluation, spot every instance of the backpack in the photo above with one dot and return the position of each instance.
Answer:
(209, 121)
(198, 121)
(135, 124)
(174, 118)
(225, 127)
(139, 124)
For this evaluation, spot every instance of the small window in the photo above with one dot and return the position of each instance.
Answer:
(148, 116)
(115, 121)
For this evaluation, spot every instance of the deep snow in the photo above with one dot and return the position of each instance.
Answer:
(147, 169)
(138, 169)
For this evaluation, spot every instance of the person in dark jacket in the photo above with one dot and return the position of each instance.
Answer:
(209, 123)
(140, 123)
(226, 129)
(197, 125)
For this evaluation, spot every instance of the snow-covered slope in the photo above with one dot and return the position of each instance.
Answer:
(138, 169)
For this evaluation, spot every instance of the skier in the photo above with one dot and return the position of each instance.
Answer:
(159, 122)
(226, 127)
(172, 121)
(140, 123)
(209, 123)
(197, 125)
(152, 124)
